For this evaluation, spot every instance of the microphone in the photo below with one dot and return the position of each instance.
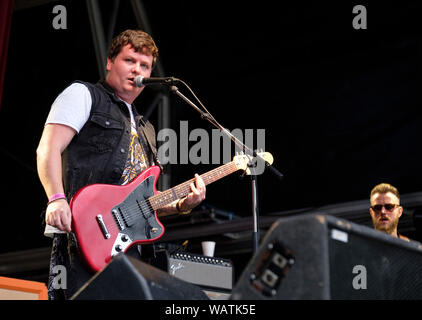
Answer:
(141, 81)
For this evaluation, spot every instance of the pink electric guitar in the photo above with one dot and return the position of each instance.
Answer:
(108, 219)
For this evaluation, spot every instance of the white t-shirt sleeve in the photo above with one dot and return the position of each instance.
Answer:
(72, 107)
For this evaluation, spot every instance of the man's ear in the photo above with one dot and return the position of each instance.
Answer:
(109, 63)
(400, 211)
(371, 212)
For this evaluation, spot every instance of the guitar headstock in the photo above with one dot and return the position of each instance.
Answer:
(242, 160)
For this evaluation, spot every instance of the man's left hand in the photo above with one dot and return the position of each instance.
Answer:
(196, 196)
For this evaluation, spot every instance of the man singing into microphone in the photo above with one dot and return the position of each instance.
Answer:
(93, 134)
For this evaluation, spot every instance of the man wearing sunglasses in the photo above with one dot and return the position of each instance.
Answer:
(385, 209)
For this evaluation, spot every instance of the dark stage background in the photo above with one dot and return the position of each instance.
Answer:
(340, 107)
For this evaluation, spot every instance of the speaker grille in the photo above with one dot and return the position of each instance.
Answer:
(334, 259)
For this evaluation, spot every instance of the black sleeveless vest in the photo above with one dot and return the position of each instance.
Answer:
(98, 153)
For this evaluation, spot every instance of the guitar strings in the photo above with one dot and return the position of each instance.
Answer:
(184, 188)
(181, 189)
(145, 207)
(131, 211)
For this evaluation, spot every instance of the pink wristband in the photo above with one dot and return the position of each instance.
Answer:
(57, 196)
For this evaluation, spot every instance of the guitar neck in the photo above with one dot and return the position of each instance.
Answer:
(164, 198)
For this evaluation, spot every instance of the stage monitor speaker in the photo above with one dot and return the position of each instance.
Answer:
(324, 257)
(126, 278)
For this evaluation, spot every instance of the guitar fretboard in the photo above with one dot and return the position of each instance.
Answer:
(166, 197)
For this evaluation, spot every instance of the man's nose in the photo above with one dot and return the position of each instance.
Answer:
(136, 68)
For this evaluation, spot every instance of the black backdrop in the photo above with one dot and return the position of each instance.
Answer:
(340, 107)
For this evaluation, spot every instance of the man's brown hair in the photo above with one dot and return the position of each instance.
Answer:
(138, 39)
(384, 188)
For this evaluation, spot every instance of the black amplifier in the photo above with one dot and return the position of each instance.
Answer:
(207, 272)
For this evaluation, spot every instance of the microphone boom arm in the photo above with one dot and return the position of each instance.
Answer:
(210, 118)
(207, 116)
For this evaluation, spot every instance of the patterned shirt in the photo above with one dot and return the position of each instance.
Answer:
(137, 160)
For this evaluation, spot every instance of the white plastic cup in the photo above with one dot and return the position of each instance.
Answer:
(208, 248)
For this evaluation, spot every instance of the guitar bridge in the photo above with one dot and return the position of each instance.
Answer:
(118, 218)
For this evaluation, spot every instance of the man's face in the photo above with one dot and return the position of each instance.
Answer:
(385, 211)
(124, 68)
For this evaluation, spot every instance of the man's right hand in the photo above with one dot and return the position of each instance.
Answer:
(58, 215)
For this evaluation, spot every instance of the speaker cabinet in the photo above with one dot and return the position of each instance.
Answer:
(126, 278)
(323, 257)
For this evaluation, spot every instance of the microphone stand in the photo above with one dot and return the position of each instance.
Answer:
(255, 212)
(251, 165)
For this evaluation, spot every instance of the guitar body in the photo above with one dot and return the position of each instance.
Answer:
(109, 219)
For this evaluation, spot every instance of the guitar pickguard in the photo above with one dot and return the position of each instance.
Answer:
(135, 218)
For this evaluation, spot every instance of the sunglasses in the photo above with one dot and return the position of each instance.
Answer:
(388, 207)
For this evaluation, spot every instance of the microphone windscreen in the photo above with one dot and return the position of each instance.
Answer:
(138, 81)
